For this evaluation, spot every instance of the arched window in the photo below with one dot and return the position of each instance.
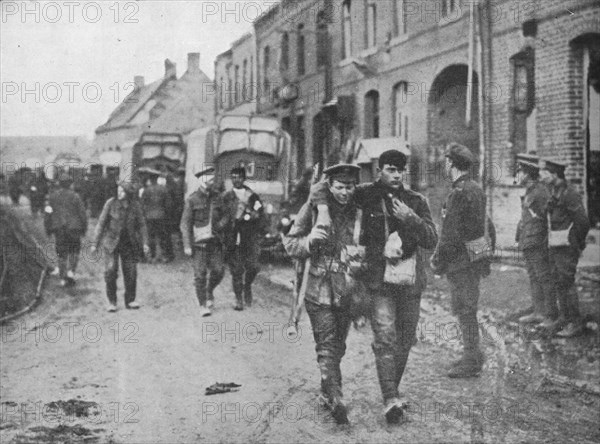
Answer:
(285, 51)
(322, 38)
(266, 63)
(372, 114)
(300, 53)
(346, 30)
(401, 111)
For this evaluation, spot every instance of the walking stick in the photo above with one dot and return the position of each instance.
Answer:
(300, 291)
(299, 296)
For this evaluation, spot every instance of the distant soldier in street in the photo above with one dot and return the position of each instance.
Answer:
(155, 203)
(201, 239)
(532, 236)
(14, 187)
(38, 191)
(395, 310)
(122, 233)
(244, 224)
(463, 220)
(327, 302)
(96, 195)
(66, 219)
(567, 214)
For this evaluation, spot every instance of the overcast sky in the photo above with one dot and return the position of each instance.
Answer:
(76, 57)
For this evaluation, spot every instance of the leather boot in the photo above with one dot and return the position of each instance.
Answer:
(471, 363)
(331, 389)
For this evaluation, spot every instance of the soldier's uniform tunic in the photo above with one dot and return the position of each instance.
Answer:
(463, 220)
(532, 236)
(208, 252)
(329, 313)
(566, 208)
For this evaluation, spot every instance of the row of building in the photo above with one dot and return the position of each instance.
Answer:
(501, 77)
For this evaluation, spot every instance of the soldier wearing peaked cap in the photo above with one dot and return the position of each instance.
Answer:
(568, 229)
(390, 208)
(244, 223)
(155, 202)
(532, 237)
(328, 298)
(201, 238)
(463, 220)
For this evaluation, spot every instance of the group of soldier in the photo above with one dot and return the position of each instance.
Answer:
(387, 287)
(217, 227)
(364, 247)
(551, 207)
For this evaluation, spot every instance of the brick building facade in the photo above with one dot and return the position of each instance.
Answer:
(235, 78)
(335, 71)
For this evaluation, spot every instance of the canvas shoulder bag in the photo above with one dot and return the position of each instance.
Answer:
(204, 233)
(397, 271)
(558, 238)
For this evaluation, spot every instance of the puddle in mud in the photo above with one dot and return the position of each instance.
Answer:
(59, 434)
(576, 360)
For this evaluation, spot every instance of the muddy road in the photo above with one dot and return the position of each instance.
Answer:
(71, 372)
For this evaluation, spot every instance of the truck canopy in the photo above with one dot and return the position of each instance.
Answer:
(252, 133)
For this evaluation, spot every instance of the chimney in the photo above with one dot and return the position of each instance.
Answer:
(139, 82)
(193, 62)
(170, 69)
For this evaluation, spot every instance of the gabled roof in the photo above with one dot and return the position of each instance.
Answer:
(130, 106)
(185, 108)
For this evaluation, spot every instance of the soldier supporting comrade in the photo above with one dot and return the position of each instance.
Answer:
(391, 209)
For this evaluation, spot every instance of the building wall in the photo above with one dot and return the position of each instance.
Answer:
(422, 57)
(237, 95)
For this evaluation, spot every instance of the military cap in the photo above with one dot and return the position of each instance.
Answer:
(344, 172)
(553, 166)
(206, 171)
(460, 154)
(528, 161)
(149, 171)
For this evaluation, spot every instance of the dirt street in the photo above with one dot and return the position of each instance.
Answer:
(71, 372)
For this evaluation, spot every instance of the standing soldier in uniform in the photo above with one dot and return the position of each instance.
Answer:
(566, 213)
(395, 311)
(244, 223)
(155, 202)
(532, 236)
(200, 239)
(38, 189)
(66, 219)
(327, 306)
(464, 218)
